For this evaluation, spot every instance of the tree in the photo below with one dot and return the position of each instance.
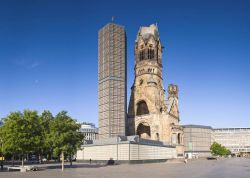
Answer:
(24, 133)
(10, 133)
(21, 133)
(27, 132)
(45, 119)
(65, 135)
(219, 150)
(34, 131)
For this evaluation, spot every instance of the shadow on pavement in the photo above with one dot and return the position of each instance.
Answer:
(57, 166)
(73, 166)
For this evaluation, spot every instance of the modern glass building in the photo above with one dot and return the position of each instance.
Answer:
(112, 79)
(197, 140)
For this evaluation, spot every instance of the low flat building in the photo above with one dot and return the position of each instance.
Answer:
(130, 149)
(237, 140)
(197, 140)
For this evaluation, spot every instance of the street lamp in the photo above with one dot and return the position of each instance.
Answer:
(2, 157)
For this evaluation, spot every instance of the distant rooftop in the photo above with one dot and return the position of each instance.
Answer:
(197, 126)
(209, 127)
(87, 124)
(134, 139)
(232, 128)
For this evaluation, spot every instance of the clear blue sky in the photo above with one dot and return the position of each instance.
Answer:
(48, 55)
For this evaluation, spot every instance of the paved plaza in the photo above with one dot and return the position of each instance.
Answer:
(226, 168)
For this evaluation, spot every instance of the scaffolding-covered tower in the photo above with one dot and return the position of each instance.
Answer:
(112, 80)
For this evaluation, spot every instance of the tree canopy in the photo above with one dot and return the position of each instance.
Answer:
(63, 135)
(219, 150)
(27, 132)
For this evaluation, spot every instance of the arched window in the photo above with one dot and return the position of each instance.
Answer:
(142, 55)
(143, 130)
(151, 54)
(142, 108)
(179, 138)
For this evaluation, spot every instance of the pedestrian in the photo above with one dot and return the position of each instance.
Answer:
(1, 165)
(185, 160)
(90, 161)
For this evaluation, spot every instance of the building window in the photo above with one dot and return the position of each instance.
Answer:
(150, 54)
(142, 108)
(142, 55)
(143, 130)
(179, 138)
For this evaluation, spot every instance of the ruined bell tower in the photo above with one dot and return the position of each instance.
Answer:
(150, 115)
(147, 106)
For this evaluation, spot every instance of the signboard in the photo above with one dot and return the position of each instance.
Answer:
(190, 146)
(1, 158)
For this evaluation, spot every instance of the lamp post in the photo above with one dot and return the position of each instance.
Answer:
(2, 157)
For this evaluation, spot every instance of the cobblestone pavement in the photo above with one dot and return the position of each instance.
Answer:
(225, 168)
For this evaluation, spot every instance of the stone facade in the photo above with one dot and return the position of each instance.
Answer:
(150, 115)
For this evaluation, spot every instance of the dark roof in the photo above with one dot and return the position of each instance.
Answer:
(231, 128)
(197, 126)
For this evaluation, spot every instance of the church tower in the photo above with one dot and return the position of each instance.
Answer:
(149, 111)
